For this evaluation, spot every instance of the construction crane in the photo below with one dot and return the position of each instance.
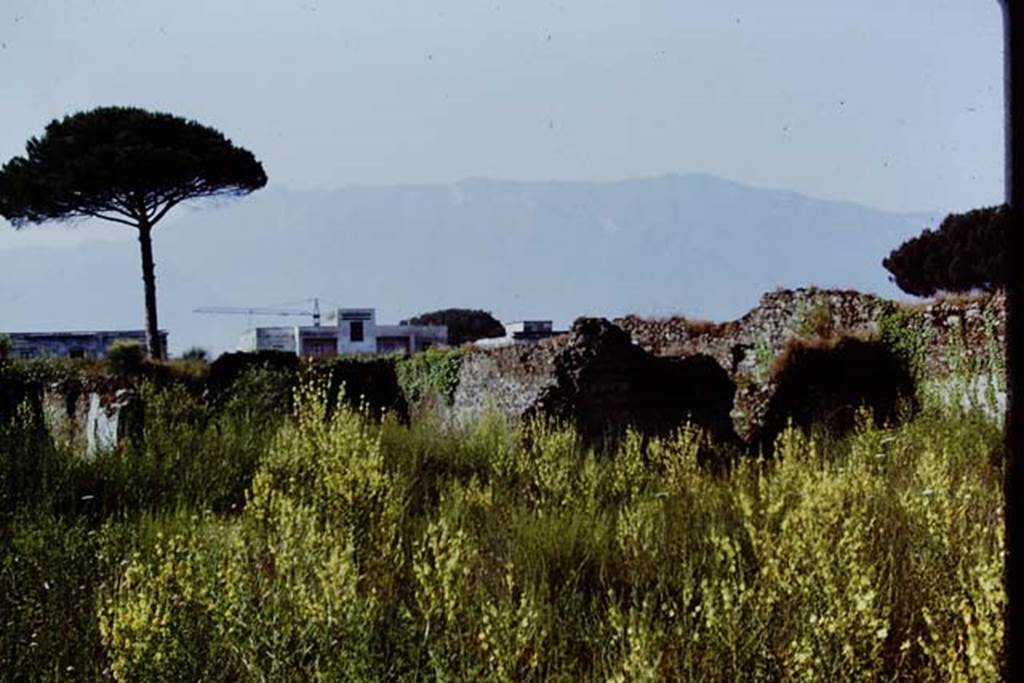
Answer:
(262, 310)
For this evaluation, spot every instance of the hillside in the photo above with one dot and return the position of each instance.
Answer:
(689, 244)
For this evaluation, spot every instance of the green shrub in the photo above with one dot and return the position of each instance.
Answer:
(196, 353)
(430, 372)
(156, 620)
(34, 473)
(908, 333)
(366, 549)
(50, 569)
(364, 383)
(125, 357)
(229, 367)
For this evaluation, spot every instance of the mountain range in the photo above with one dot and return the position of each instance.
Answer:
(694, 245)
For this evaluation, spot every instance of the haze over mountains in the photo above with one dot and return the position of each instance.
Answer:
(678, 244)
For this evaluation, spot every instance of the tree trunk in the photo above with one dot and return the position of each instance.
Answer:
(149, 282)
(1013, 477)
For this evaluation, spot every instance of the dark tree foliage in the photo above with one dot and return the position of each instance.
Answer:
(967, 252)
(464, 324)
(127, 166)
(196, 353)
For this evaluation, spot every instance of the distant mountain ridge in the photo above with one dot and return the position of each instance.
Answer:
(695, 245)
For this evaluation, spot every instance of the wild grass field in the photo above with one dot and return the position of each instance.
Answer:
(248, 542)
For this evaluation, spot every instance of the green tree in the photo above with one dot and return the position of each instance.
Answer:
(967, 252)
(125, 165)
(196, 353)
(464, 324)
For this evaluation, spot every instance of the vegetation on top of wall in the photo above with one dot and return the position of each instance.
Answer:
(229, 367)
(816, 321)
(52, 370)
(430, 371)
(907, 332)
(125, 357)
(196, 353)
(73, 376)
(367, 383)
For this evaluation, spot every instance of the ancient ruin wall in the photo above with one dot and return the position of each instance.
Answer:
(950, 330)
(784, 315)
(509, 379)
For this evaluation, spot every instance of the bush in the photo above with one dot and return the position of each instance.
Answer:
(196, 353)
(365, 549)
(229, 367)
(125, 357)
(430, 372)
(362, 382)
(825, 384)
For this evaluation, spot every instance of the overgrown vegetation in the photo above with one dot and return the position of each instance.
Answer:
(244, 542)
(430, 372)
(908, 333)
(816, 322)
(125, 357)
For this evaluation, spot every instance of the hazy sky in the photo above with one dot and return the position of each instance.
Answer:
(892, 103)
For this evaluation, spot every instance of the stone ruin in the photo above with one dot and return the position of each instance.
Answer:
(748, 347)
(656, 374)
(651, 374)
(91, 421)
(596, 379)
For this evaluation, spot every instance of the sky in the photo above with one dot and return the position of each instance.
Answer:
(895, 104)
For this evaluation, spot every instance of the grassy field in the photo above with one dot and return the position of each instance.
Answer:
(246, 544)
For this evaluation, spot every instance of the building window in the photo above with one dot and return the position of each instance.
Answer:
(355, 331)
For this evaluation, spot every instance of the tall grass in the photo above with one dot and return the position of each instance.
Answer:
(237, 545)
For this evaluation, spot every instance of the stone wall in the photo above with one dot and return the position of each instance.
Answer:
(517, 380)
(784, 315)
(598, 375)
(90, 421)
(780, 316)
(508, 379)
(951, 329)
(596, 379)
(974, 324)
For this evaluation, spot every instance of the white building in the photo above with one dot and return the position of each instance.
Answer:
(83, 344)
(356, 332)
